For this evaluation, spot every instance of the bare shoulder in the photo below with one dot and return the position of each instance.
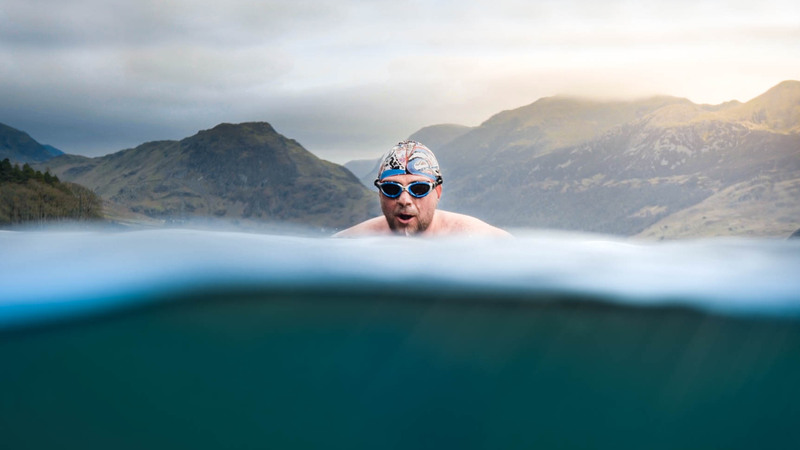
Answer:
(376, 225)
(455, 223)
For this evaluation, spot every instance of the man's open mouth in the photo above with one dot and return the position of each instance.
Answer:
(405, 217)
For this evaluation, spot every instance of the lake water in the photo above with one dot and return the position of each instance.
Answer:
(207, 339)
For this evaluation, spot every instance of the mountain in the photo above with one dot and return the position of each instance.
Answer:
(242, 173)
(19, 147)
(28, 196)
(364, 169)
(52, 151)
(436, 136)
(513, 137)
(777, 110)
(626, 167)
(545, 125)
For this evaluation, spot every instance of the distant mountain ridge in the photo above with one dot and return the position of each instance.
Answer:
(436, 136)
(244, 172)
(19, 147)
(777, 110)
(646, 161)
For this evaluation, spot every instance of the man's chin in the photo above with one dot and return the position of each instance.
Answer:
(405, 228)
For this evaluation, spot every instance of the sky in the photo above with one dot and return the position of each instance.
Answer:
(350, 78)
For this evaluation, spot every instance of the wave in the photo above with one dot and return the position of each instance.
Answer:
(55, 274)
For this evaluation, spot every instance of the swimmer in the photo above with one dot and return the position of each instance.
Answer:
(410, 185)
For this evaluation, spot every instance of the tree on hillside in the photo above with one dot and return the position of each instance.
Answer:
(28, 195)
(6, 170)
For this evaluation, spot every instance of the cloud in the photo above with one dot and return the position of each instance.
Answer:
(127, 24)
(95, 76)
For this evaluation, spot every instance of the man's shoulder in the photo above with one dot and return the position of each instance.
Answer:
(463, 224)
(446, 223)
(376, 225)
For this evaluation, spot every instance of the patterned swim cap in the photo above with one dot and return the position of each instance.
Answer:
(410, 157)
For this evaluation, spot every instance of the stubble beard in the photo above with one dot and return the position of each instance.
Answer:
(417, 226)
(405, 229)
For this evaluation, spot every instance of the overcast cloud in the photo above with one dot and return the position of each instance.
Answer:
(348, 79)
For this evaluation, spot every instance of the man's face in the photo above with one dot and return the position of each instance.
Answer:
(407, 214)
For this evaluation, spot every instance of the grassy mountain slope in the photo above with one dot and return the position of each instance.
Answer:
(777, 110)
(234, 172)
(29, 196)
(764, 206)
(545, 125)
(19, 147)
(668, 155)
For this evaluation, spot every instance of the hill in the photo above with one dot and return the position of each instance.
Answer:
(625, 167)
(30, 196)
(543, 126)
(19, 147)
(437, 136)
(240, 173)
(364, 170)
(777, 110)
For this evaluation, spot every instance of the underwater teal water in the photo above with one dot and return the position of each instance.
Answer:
(199, 339)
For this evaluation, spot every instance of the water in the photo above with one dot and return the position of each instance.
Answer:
(208, 339)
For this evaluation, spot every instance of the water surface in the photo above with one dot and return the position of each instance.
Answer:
(208, 339)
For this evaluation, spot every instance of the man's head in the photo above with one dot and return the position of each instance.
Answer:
(409, 180)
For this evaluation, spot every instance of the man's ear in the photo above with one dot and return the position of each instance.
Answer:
(439, 191)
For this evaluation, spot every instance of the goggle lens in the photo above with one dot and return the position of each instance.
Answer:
(419, 189)
(393, 189)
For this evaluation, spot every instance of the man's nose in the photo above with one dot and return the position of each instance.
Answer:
(404, 198)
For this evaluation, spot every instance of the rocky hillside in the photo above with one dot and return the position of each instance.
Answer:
(660, 168)
(244, 172)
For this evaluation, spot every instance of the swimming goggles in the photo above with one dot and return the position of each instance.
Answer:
(417, 189)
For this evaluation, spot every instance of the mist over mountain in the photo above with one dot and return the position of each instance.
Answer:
(436, 136)
(244, 172)
(364, 170)
(627, 167)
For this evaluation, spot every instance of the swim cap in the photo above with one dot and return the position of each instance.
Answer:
(410, 157)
